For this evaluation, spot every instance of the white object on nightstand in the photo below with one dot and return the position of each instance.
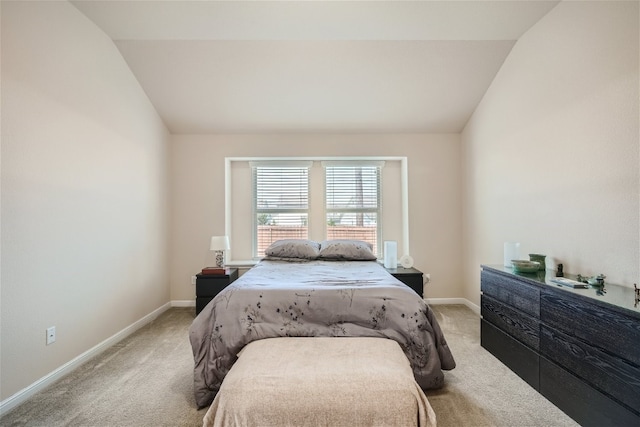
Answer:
(390, 254)
(406, 261)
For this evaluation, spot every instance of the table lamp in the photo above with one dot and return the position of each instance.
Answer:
(219, 244)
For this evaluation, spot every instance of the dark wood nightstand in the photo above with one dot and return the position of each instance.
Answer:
(409, 276)
(209, 285)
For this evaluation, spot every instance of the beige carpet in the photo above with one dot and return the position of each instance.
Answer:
(146, 380)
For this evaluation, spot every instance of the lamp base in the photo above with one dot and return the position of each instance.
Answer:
(219, 259)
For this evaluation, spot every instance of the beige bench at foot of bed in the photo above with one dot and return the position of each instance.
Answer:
(320, 382)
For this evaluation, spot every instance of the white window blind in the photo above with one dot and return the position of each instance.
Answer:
(281, 202)
(353, 201)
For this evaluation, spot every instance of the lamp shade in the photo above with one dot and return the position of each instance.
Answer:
(220, 243)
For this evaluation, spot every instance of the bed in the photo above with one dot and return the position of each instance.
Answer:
(331, 293)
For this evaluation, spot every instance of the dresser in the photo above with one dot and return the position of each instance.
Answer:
(579, 348)
(209, 285)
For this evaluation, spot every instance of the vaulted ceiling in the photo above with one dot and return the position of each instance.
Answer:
(315, 66)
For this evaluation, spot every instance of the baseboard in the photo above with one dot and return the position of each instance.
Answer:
(183, 303)
(463, 301)
(24, 394)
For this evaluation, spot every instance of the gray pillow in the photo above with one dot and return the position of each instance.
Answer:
(293, 248)
(351, 250)
(278, 258)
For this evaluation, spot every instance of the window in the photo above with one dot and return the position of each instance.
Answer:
(281, 202)
(316, 198)
(353, 201)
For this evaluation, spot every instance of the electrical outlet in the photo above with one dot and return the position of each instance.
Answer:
(427, 278)
(193, 280)
(51, 335)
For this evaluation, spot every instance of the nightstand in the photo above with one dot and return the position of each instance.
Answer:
(410, 277)
(209, 285)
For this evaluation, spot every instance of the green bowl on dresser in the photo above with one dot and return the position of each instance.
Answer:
(523, 266)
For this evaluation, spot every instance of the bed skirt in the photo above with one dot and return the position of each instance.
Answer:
(321, 381)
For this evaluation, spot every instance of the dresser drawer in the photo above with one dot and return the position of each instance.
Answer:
(511, 292)
(580, 401)
(518, 357)
(613, 375)
(521, 326)
(608, 330)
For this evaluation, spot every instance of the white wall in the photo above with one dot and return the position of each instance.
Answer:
(550, 156)
(84, 192)
(197, 178)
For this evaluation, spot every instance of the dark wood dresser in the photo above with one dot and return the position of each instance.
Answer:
(578, 347)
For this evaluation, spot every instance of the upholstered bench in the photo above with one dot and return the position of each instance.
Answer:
(320, 381)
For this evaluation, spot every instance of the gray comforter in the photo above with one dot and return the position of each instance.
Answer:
(316, 298)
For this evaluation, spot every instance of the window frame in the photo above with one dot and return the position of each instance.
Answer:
(377, 210)
(231, 260)
(292, 164)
